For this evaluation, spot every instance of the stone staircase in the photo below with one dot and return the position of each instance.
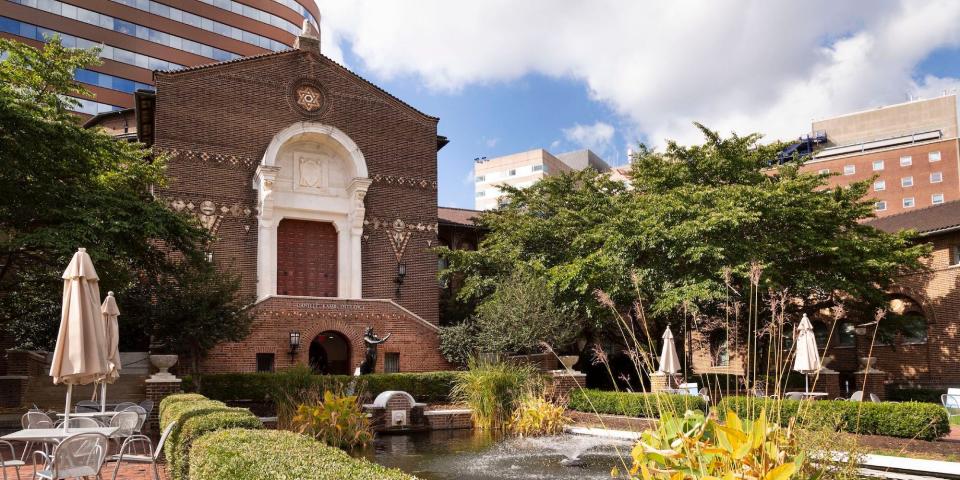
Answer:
(43, 393)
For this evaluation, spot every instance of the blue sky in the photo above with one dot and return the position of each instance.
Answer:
(506, 77)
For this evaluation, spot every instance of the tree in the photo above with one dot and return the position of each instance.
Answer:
(192, 309)
(63, 186)
(519, 317)
(693, 224)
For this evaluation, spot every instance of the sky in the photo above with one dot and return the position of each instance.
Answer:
(506, 76)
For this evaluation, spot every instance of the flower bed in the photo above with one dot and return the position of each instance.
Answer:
(647, 405)
(924, 421)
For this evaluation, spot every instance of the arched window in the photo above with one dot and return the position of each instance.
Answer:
(913, 328)
(822, 333)
(719, 348)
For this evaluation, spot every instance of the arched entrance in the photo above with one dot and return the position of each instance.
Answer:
(330, 353)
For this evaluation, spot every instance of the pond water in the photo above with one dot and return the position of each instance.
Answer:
(470, 455)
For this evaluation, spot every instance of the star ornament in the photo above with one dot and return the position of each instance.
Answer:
(309, 98)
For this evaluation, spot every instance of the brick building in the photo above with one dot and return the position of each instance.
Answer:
(321, 190)
(909, 150)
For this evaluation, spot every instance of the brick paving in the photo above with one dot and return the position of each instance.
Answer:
(127, 472)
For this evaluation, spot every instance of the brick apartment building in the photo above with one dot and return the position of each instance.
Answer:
(321, 190)
(910, 151)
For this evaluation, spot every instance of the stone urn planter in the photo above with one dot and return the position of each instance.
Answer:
(868, 364)
(163, 364)
(568, 361)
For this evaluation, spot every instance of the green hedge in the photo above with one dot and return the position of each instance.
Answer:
(926, 395)
(904, 420)
(647, 405)
(429, 387)
(195, 416)
(275, 455)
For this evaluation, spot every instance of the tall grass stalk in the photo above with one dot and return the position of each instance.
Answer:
(494, 390)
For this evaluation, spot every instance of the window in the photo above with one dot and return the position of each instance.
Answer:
(719, 348)
(537, 168)
(906, 182)
(391, 362)
(906, 161)
(879, 185)
(908, 202)
(846, 334)
(823, 171)
(880, 206)
(933, 156)
(913, 328)
(480, 178)
(936, 198)
(877, 165)
(955, 255)
(481, 193)
(265, 362)
(849, 169)
(822, 333)
(936, 177)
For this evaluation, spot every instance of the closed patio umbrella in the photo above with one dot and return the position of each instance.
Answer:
(669, 362)
(807, 360)
(110, 313)
(79, 357)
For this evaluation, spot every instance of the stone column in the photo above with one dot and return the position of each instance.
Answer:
(660, 381)
(561, 383)
(358, 192)
(266, 232)
(157, 390)
(870, 379)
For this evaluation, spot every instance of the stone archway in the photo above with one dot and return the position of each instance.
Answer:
(330, 353)
(312, 172)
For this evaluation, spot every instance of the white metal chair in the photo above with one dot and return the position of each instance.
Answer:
(80, 422)
(79, 455)
(856, 397)
(123, 406)
(13, 462)
(141, 415)
(86, 406)
(874, 398)
(705, 395)
(952, 403)
(794, 396)
(151, 454)
(32, 420)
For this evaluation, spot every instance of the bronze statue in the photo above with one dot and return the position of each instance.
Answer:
(370, 360)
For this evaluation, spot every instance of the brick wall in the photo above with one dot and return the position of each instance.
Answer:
(214, 124)
(414, 339)
(306, 258)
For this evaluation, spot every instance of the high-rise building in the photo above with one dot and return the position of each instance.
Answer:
(139, 36)
(524, 169)
(909, 150)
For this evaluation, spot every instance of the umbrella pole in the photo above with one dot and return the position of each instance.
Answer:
(806, 383)
(103, 397)
(66, 408)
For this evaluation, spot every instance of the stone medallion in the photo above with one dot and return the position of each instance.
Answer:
(307, 96)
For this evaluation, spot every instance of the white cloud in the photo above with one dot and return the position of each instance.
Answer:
(469, 177)
(743, 65)
(491, 142)
(596, 137)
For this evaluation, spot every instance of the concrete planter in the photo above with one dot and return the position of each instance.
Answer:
(163, 364)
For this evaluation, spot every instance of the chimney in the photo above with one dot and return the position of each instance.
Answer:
(309, 38)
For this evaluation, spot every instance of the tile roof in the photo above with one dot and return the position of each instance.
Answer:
(926, 221)
(457, 216)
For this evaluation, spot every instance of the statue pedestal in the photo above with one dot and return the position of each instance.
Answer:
(660, 381)
(560, 383)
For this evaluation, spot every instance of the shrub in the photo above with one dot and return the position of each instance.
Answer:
(336, 420)
(277, 455)
(925, 395)
(430, 387)
(494, 390)
(904, 420)
(196, 415)
(647, 405)
(536, 416)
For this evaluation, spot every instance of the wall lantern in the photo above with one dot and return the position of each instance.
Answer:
(401, 274)
(294, 344)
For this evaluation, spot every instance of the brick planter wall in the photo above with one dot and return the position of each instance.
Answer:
(157, 391)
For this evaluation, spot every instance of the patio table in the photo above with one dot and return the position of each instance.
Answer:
(55, 434)
(109, 414)
(815, 395)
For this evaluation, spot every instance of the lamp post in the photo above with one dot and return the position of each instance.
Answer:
(294, 345)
